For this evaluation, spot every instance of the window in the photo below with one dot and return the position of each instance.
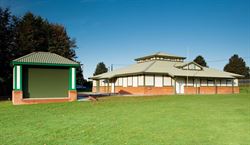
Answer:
(229, 83)
(197, 68)
(173, 82)
(203, 82)
(197, 82)
(149, 80)
(223, 82)
(101, 82)
(190, 82)
(120, 81)
(94, 83)
(167, 81)
(217, 82)
(158, 81)
(185, 67)
(116, 82)
(135, 81)
(191, 66)
(210, 82)
(130, 81)
(125, 82)
(141, 80)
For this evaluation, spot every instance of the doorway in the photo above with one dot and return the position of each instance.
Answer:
(180, 83)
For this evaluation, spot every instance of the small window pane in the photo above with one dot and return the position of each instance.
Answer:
(229, 83)
(223, 83)
(149, 80)
(130, 81)
(125, 82)
(203, 82)
(167, 81)
(210, 82)
(94, 83)
(158, 81)
(135, 81)
(190, 82)
(141, 80)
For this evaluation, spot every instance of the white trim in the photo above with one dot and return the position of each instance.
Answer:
(73, 78)
(14, 81)
(149, 80)
(180, 83)
(112, 87)
(18, 77)
(158, 81)
(236, 82)
(135, 81)
(141, 80)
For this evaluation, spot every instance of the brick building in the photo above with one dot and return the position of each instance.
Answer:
(43, 77)
(161, 74)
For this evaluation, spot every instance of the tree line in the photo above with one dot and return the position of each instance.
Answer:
(22, 35)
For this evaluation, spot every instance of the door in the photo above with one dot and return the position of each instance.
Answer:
(112, 87)
(180, 83)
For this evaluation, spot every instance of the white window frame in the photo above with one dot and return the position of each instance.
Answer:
(149, 80)
(158, 81)
(141, 80)
(135, 81)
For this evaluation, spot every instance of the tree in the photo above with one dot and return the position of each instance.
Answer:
(79, 76)
(200, 60)
(20, 36)
(237, 65)
(60, 43)
(8, 49)
(32, 34)
(100, 68)
(37, 34)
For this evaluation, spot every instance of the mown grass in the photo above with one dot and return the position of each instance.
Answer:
(151, 120)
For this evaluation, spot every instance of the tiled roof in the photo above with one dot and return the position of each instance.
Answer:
(44, 58)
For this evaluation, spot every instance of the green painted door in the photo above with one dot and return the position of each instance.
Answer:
(47, 83)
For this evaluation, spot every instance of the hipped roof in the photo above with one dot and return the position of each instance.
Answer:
(165, 67)
(44, 58)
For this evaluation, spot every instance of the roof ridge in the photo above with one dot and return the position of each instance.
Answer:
(22, 57)
(149, 66)
(44, 58)
(32, 53)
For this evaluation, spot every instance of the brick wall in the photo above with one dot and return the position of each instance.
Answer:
(159, 90)
(207, 90)
(130, 90)
(212, 90)
(17, 98)
(138, 90)
(225, 90)
(94, 89)
(236, 90)
(191, 90)
(169, 90)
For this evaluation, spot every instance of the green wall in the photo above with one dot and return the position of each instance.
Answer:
(45, 82)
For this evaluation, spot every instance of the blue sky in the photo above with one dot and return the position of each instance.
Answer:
(117, 31)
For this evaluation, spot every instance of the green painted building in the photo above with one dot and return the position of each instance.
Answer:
(43, 77)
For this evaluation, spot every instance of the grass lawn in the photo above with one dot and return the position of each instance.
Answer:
(155, 120)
